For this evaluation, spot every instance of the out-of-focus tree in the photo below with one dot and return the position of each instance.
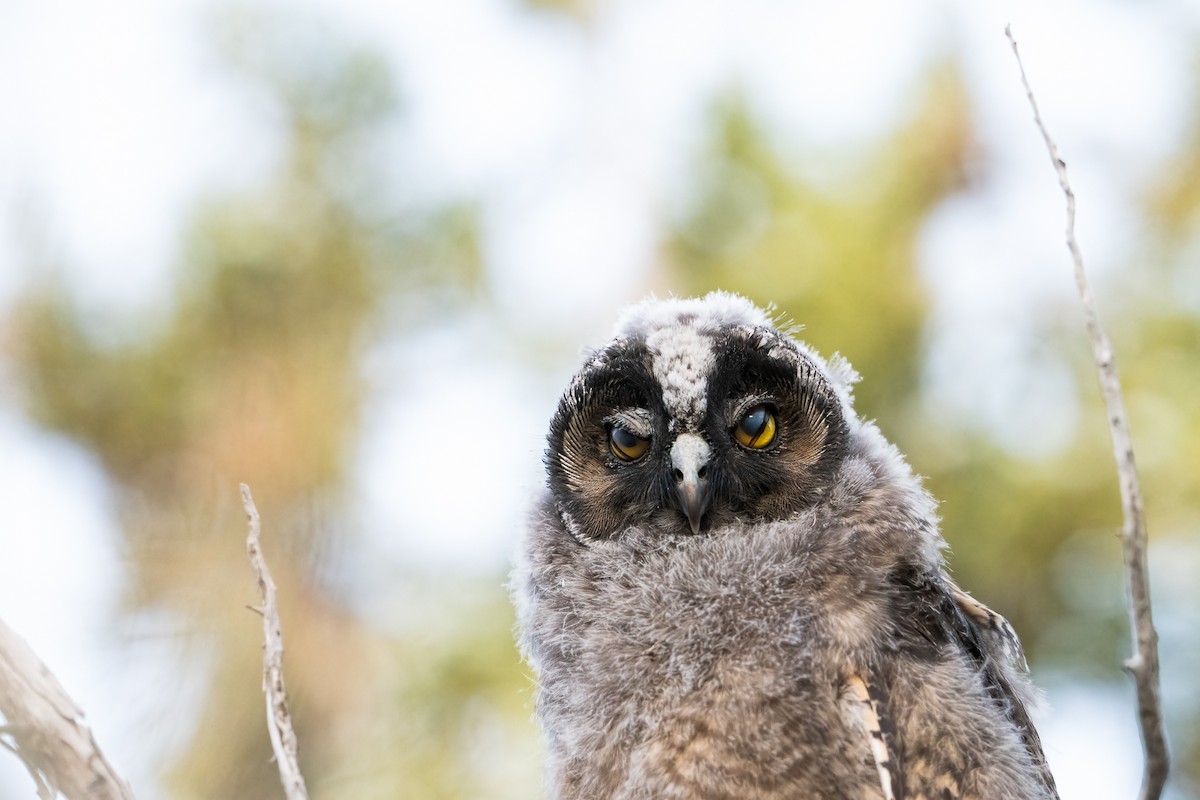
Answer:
(580, 11)
(839, 259)
(252, 373)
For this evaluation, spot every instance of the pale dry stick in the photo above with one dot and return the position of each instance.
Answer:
(279, 720)
(45, 729)
(1143, 665)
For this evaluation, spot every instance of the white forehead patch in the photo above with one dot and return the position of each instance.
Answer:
(679, 335)
(681, 360)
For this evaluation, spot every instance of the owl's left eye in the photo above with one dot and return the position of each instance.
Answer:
(756, 428)
(626, 445)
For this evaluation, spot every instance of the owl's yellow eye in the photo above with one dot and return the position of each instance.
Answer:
(757, 428)
(627, 446)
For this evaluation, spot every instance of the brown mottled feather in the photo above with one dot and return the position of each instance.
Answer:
(1000, 643)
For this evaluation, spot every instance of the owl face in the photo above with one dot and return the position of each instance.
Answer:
(697, 413)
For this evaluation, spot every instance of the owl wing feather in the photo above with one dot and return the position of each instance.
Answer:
(934, 613)
(993, 628)
(998, 642)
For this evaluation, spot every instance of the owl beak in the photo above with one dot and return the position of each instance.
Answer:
(689, 460)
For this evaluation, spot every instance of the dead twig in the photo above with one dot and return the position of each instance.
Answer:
(45, 729)
(279, 720)
(1143, 665)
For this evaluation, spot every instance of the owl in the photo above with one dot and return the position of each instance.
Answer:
(733, 588)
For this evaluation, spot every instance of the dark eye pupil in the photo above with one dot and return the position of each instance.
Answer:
(624, 439)
(754, 422)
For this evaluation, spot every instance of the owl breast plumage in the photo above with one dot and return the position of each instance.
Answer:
(734, 588)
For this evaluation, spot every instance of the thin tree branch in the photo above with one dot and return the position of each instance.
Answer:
(279, 720)
(1143, 665)
(46, 730)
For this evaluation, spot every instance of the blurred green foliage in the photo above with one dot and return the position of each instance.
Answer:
(578, 10)
(840, 260)
(252, 375)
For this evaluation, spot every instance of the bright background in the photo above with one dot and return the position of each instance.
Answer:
(350, 252)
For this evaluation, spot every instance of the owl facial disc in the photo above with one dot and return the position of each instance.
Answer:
(689, 462)
(697, 414)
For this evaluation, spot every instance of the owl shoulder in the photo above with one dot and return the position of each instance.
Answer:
(938, 620)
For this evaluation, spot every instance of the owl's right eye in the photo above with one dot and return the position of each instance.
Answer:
(627, 446)
(757, 428)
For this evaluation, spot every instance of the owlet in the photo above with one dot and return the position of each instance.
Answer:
(733, 587)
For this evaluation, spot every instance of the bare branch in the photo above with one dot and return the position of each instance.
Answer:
(279, 720)
(1143, 665)
(46, 730)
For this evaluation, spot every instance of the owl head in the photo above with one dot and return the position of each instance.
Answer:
(697, 413)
